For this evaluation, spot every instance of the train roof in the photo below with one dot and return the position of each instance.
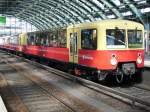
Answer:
(104, 22)
(96, 23)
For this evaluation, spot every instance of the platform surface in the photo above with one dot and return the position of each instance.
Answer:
(2, 106)
(147, 60)
(146, 74)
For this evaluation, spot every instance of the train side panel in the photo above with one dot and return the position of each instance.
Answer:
(61, 54)
(100, 59)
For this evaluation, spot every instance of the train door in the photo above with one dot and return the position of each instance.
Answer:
(73, 47)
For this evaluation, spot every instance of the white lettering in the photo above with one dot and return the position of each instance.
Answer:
(87, 57)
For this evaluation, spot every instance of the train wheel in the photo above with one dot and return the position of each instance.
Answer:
(77, 72)
(102, 76)
(119, 76)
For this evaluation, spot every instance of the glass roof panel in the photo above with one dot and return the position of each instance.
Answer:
(122, 6)
(111, 16)
(116, 2)
(99, 4)
(136, 0)
(128, 13)
(45, 13)
(142, 2)
(145, 10)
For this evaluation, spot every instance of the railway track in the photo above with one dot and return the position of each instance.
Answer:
(35, 95)
(137, 92)
(124, 94)
(34, 98)
(133, 95)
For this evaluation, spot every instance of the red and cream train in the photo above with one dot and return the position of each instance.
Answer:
(99, 49)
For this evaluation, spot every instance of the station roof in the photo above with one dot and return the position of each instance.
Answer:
(45, 14)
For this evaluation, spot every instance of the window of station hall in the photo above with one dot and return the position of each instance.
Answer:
(89, 39)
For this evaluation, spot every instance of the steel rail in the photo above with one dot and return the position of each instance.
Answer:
(92, 85)
(36, 85)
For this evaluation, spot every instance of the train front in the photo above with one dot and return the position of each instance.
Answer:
(122, 50)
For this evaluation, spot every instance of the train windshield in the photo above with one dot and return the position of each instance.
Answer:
(135, 39)
(115, 38)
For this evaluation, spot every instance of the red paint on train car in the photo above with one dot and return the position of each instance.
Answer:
(61, 54)
(19, 48)
(101, 59)
(13, 47)
(9, 47)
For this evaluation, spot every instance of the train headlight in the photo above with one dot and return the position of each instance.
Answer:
(113, 60)
(139, 59)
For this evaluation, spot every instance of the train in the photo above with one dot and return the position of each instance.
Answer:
(100, 49)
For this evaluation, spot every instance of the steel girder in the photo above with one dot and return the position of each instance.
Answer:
(44, 18)
(48, 17)
(38, 18)
(54, 13)
(36, 24)
(134, 9)
(62, 13)
(30, 16)
(35, 14)
(113, 9)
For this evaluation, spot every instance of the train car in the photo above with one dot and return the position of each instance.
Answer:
(9, 43)
(99, 49)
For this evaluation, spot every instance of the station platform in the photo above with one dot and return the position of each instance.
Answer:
(146, 77)
(147, 60)
(2, 106)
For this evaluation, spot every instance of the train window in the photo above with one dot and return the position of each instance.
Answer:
(62, 35)
(37, 39)
(135, 38)
(115, 38)
(30, 39)
(43, 39)
(73, 43)
(89, 39)
(56, 38)
(47, 39)
(54, 41)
